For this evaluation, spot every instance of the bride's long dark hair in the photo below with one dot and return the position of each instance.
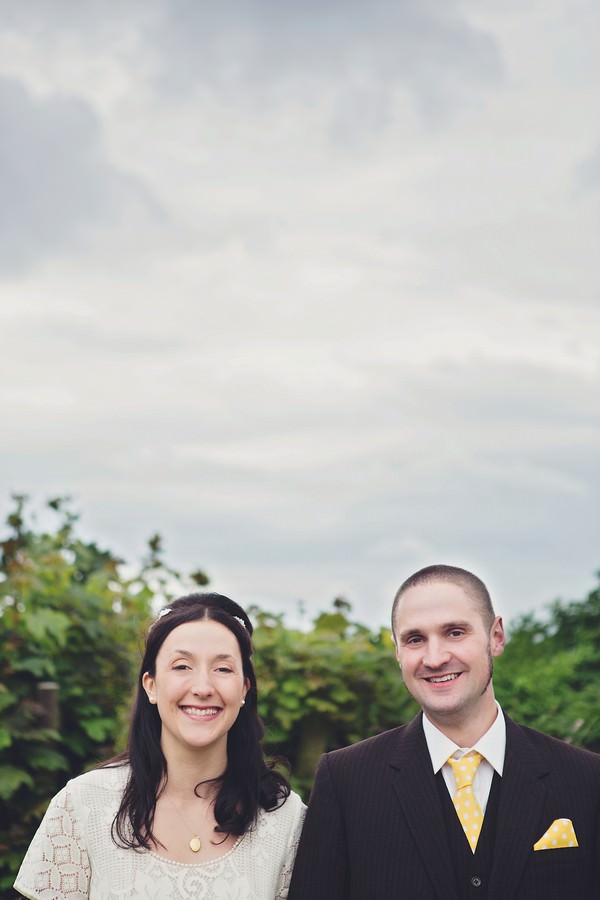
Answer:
(248, 784)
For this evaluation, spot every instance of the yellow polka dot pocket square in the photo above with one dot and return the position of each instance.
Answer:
(560, 834)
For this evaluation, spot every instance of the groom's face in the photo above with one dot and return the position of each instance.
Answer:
(445, 651)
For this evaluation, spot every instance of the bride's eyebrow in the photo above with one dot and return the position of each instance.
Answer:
(189, 654)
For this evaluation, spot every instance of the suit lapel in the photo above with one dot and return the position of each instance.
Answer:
(417, 793)
(522, 797)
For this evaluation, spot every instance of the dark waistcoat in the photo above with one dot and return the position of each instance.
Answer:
(471, 870)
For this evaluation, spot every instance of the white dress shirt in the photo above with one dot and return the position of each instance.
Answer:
(491, 745)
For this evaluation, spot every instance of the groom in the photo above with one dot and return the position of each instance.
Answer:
(462, 802)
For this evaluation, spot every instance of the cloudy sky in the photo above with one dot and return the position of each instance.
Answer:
(312, 289)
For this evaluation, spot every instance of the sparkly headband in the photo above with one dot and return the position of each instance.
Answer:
(168, 609)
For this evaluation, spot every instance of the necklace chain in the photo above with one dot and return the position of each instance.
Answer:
(194, 843)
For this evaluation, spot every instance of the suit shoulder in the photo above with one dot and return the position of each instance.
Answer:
(378, 746)
(553, 748)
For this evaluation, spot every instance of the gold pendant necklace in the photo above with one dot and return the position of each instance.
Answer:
(194, 843)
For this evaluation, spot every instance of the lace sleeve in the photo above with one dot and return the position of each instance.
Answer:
(286, 871)
(56, 865)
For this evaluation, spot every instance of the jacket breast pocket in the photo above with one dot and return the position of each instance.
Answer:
(561, 856)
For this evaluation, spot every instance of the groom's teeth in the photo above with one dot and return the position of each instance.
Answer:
(440, 678)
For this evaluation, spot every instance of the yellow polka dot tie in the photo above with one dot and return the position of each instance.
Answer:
(465, 802)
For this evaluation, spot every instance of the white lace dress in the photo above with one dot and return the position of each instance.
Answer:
(72, 855)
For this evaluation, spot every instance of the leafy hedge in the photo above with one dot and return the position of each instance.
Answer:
(70, 627)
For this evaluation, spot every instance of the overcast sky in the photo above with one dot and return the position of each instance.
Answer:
(312, 289)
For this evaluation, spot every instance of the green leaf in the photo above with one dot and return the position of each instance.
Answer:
(7, 698)
(39, 666)
(46, 758)
(11, 780)
(48, 622)
(98, 729)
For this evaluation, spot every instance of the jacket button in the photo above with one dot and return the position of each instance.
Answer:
(476, 881)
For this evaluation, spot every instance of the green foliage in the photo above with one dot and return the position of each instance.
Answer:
(70, 627)
(325, 688)
(549, 674)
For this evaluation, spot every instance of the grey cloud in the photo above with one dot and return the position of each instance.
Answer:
(515, 536)
(99, 336)
(502, 505)
(587, 175)
(514, 393)
(262, 54)
(55, 181)
(271, 50)
(96, 18)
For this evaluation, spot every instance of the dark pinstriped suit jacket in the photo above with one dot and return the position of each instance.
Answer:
(375, 830)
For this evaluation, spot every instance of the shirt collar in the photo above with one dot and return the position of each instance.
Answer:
(491, 745)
